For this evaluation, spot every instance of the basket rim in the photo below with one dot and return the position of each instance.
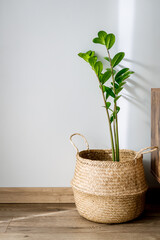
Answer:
(110, 162)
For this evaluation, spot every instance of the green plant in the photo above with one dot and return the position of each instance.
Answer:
(115, 86)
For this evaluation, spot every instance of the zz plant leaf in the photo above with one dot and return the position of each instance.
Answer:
(106, 58)
(98, 67)
(102, 35)
(86, 55)
(92, 61)
(116, 99)
(117, 59)
(121, 72)
(108, 104)
(106, 76)
(118, 109)
(119, 90)
(110, 91)
(124, 76)
(113, 70)
(115, 85)
(98, 40)
(101, 38)
(121, 84)
(109, 40)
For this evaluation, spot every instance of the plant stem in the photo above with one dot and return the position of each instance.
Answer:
(110, 128)
(117, 140)
(114, 130)
(115, 110)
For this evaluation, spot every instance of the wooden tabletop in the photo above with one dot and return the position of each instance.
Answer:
(62, 222)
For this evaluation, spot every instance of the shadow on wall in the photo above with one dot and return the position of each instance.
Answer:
(133, 98)
(142, 84)
(131, 95)
(138, 101)
(140, 40)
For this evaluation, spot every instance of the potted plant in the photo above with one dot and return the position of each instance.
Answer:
(109, 185)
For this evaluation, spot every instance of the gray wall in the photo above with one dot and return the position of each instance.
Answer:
(47, 92)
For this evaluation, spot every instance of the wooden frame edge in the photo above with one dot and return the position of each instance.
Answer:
(156, 177)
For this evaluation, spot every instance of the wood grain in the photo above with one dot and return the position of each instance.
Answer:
(81, 236)
(155, 131)
(62, 222)
(36, 195)
(54, 195)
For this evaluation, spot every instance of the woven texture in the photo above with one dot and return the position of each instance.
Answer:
(107, 191)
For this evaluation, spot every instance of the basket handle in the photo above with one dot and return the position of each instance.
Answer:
(143, 150)
(87, 145)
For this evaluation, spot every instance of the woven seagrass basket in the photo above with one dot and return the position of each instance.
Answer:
(107, 191)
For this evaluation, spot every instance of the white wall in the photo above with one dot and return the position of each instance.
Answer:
(47, 92)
